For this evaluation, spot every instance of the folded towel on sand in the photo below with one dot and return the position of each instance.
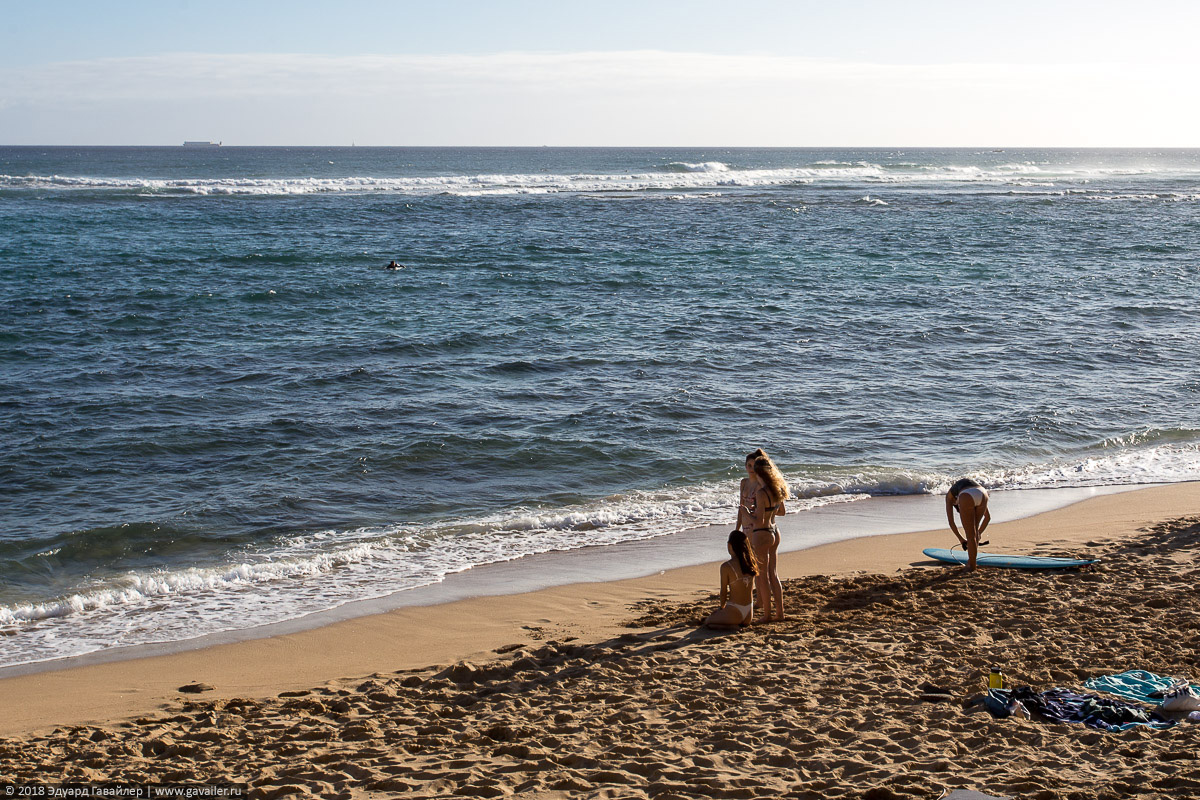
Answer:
(1137, 684)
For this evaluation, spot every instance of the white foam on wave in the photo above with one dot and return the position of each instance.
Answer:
(139, 589)
(1170, 197)
(1135, 459)
(1023, 168)
(704, 166)
(678, 176)
(1034, 189)
(1164, 463)
(302, 574)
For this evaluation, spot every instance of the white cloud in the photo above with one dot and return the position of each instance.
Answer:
(637, 97)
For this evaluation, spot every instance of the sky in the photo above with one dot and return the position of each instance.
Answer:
(749, 73)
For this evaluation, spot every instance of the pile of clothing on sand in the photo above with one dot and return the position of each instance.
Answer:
(1147, 699)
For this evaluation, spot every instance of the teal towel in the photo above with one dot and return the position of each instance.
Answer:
(1136, 684)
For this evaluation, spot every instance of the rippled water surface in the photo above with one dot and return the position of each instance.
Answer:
(216, 406)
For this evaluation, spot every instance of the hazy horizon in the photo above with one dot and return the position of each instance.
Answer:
(930, 73)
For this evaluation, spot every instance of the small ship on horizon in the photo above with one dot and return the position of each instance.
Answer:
(202, 144)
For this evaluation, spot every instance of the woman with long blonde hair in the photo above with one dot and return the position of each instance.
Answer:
(769, 495)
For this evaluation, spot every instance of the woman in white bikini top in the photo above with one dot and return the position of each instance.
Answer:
(970, 500)
(737, 585)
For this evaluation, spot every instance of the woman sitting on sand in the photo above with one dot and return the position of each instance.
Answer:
(769, 495)
(970, 500)
(737, 585)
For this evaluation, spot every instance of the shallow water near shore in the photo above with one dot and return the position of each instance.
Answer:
(218, 411)
(631, 559)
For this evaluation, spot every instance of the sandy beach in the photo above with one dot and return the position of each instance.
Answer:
(612, 689)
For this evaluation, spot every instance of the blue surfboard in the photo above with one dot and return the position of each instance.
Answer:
(1013, 562)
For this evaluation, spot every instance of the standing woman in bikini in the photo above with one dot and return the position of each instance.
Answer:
(970, 500)
(746, 492)
(764, 535)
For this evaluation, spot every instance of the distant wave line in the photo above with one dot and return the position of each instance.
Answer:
(673, 177)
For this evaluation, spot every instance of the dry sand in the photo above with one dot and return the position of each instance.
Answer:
(610, 690)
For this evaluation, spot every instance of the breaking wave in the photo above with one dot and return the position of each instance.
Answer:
(674, 177)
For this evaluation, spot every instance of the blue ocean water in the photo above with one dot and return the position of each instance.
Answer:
(217, 409)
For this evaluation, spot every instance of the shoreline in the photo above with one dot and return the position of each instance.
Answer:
(864, 516)
(473, 628)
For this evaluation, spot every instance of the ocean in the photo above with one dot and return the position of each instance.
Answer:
(218, 410)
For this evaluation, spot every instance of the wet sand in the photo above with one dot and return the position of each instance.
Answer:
(611, 689)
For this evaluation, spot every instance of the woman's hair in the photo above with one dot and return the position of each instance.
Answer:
(963, 483)
(772, 481)
(741, 550)
(757, 454)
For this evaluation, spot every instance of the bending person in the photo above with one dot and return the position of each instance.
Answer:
(764, 536)
(737, 585)
(970, 500)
